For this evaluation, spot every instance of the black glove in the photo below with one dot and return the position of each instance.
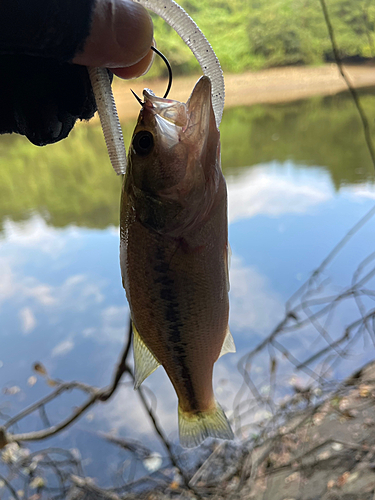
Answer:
(41, 93)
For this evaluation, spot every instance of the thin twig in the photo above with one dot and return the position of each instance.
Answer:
(63, 387)
(55, 429)
(10, 487)
(121, 368)
(166, 443)
(353, 92)
(95, 395)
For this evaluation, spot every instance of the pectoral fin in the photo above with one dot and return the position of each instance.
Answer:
(228, 345)
(145, 362)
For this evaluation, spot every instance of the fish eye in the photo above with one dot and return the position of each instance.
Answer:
(143, 143)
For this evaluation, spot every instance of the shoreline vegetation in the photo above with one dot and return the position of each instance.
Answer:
(75, 181)
(274, 85)
(272, 51)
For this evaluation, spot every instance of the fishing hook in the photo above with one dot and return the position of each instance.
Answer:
(137, 97)
(169, 76)
(169, 70)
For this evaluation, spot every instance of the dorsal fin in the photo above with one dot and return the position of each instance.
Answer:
(145, 362)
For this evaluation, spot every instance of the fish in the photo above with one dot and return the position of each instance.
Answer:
(174, 254)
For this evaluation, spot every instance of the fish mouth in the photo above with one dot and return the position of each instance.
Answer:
(165, 118)
(171, 111)
(173, 121)
(176, 112)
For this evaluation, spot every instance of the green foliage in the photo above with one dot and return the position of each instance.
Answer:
(287, 32)
(253, 34)
(324, 132)
(68, 182)
(72, 182)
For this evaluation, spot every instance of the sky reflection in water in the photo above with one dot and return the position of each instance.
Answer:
(62, 302)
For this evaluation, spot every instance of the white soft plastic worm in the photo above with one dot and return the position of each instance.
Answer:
(112, 132)
(186, 28)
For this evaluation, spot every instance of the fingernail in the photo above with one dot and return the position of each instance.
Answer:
(151, 60)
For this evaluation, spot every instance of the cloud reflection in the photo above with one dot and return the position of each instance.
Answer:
(78, 296)
(36, 234)
(16, 284)
(126, 415)
(253, 303)
(112, 326)
(28, 320)
(62, 348)
(77, 292)
(7, 282)
(360, 191)
(275, 191)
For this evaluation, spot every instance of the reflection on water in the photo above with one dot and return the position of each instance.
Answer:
(299, 178)
(70, 182)
(324, 132)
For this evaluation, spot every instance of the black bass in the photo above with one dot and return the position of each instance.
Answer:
(174, 254)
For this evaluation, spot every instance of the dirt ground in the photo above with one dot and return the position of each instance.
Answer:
(267, 86)
(323, 452)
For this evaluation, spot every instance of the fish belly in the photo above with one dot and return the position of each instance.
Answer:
(177, 288)
(179, 302)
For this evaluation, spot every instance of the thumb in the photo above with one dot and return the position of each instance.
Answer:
(120, 37)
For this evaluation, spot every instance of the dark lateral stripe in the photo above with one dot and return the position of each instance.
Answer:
(171, 312)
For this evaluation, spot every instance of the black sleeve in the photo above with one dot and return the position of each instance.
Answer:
(41, 93)
(44, 28)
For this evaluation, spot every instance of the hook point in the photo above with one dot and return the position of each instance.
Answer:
(137, 97)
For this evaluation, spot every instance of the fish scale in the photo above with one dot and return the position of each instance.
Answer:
(174, 255)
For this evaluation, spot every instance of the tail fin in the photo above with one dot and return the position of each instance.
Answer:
(196, 427)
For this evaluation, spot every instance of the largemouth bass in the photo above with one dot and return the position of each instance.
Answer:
(174, 254)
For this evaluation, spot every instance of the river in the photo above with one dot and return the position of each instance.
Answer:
(299, 178)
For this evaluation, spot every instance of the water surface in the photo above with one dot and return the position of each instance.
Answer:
(299, 178)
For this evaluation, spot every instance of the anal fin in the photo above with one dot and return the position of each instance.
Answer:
(228, 345)
(145, 362)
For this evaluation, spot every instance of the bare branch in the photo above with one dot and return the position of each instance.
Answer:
(121, 368)
(95, 395)
(353, 92)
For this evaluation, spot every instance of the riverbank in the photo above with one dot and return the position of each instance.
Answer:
(273, 85)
